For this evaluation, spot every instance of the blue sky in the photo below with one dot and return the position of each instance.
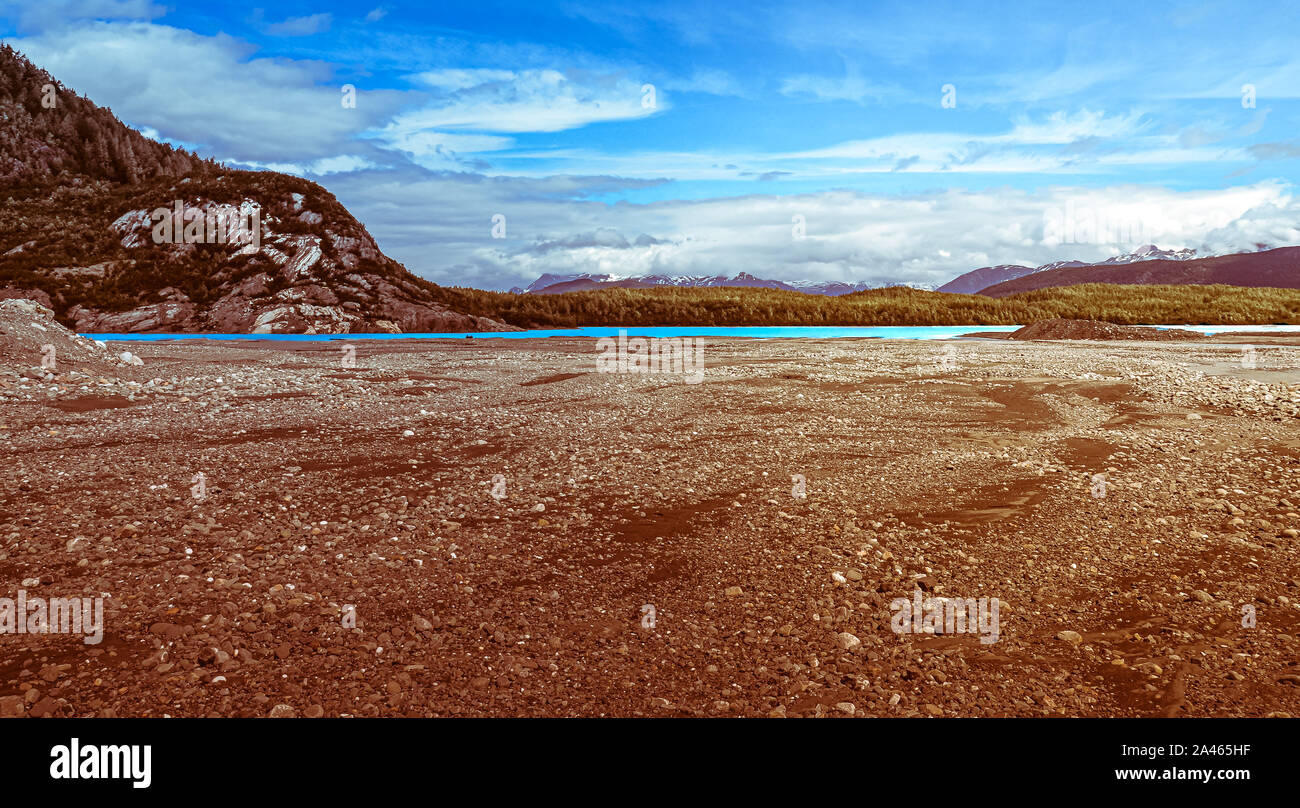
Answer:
(876, 142)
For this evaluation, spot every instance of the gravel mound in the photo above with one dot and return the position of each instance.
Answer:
(1097, 330)
(34, 344)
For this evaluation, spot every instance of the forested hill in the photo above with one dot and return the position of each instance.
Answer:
(46, 129)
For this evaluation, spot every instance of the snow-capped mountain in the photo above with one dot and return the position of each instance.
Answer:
(1279, 268)
(551, 284)
(1149, 252)
(979, 279)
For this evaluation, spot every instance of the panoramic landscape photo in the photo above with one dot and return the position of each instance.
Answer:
(660, 360)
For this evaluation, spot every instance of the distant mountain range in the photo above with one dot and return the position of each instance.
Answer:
(1279, 268)
(552, 284)
(1146, 265)
(977, 280)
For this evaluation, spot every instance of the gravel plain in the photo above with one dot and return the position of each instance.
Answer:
(492, 528)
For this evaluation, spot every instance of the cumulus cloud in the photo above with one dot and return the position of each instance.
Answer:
(210, 91)
(604, 238)
(440, 226)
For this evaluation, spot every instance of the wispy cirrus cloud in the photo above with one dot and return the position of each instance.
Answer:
(494, 100)
(301, 26)
(854, 85)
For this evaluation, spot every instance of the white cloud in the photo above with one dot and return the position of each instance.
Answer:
(210, 91)
(524, 101)
(301, 26)
(453, 80)
(1058, 143)
(47, 14)
(440, 227)
(342, 164)
(442, 151)
(852, 86)
(706, 80)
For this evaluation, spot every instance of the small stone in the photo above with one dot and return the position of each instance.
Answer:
(734, 592)
(846, 641)
(283, 711)
(314, 711)
(12, 707)
(847, 707)
(1072, 637)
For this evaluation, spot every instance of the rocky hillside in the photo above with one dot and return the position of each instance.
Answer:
(116, 233)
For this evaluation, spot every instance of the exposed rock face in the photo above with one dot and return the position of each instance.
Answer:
(156, 317)
(299, 271)
(1097, 330)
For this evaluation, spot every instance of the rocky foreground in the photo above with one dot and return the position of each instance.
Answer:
(490, 527)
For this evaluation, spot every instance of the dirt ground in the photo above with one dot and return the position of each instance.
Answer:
(492, 528)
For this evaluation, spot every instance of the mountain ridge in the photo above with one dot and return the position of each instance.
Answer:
(978, 279)
(1276, 268)
(553, 283)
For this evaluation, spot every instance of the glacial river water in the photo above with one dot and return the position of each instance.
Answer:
(757, 332)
